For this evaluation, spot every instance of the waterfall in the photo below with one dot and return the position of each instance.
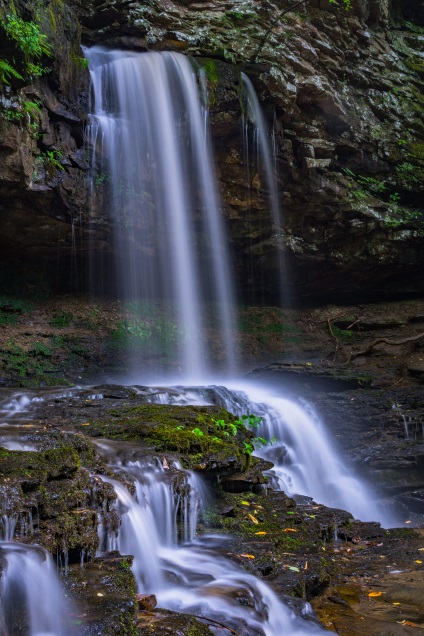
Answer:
(167, 224)
(264, 145)
(193, 577)
(306, 462)
(31, 600)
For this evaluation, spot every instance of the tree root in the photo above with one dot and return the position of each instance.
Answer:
(374, 343)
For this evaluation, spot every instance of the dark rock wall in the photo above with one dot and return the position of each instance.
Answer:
(342, 88)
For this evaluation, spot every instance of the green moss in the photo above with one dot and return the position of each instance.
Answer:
(192, 432)
(31, 368)
(417, 151)
(37, 468)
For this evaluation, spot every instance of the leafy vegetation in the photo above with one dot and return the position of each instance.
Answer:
(30, 42)
(63, 319)
(347, 4)
(7, 71)
(406, 176)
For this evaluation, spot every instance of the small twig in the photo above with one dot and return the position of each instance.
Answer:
(374, 343)
(210, 620)
(358, 320)
(335, 627)
(335, 339)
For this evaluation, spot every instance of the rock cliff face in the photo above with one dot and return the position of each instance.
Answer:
(341, 85)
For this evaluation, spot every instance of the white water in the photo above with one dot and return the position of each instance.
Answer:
(193, 577)
(306, 462)
(30, 592)
(148, 125)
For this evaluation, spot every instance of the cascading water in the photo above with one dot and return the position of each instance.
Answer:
(305, 460)
(31, 601)
(193, 577)
(264, 145)
(156, 158)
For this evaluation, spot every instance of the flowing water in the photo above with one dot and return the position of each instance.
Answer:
(151, 147)
(159, 518)
(192, 577)
(149, 128)
(31, 601)
(264, 147)
(306, 462)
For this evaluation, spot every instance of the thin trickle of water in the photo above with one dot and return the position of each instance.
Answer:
(264, 143)
(31, 600)
(148, 125)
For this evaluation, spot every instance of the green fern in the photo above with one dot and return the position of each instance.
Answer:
(7, 72)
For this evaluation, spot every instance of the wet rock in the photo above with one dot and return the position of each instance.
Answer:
(163, 622)
(417, 372)
(146, 602)
(301, 376)
(104, 592)
(49, 499)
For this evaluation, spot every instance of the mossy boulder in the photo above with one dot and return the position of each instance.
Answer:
(206, 438)
(48, 499)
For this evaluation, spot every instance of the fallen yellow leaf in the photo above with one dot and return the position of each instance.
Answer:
(245, 503)
(86, 424)
(247, 556)
(409, 623)
(420, 549)
(396, 603)
(373, 594)
(418, 561)
(252, 518)
(263, 532)
(289, 530)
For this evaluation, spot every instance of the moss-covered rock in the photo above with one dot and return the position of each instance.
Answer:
(205, 438)
(47, 498)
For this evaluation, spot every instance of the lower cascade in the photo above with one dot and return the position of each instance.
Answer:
(159, 504)
(192, 577)
(31, 601)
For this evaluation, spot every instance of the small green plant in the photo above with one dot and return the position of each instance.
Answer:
(7, 319)
(250, 421)
(248, 447)
(7, 71)
(346, 3)
(197, 432)
(257, 442)
(50, 158)
(40, 349)
(32, 108)
(61, 320)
